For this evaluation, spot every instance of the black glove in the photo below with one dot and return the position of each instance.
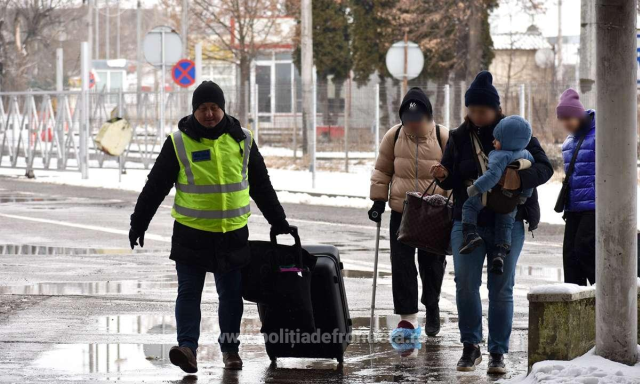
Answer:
(281, 228)
(376, 211)
(134, 237)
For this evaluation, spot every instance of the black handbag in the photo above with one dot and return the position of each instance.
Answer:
(563, 196)
(427, 220)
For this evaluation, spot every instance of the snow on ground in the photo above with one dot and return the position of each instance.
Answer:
(287, 152)
(586, 369)
(564, 288)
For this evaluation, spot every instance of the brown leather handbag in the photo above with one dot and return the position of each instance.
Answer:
(427, 220)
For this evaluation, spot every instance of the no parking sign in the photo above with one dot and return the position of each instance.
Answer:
(184, 73)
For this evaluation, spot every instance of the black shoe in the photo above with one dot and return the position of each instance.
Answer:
(184, 358)
(496, 364)
(432, 326)
(231, 360)
(471, 357)
(497, 262)
(471, 241)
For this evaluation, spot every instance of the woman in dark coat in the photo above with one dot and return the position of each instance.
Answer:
(458, 167)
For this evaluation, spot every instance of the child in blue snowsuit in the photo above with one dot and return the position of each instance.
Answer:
(512, 135)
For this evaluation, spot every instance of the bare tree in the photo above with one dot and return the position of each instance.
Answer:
(239, 30)
(28, 31)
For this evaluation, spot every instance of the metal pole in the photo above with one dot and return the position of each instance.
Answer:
(59, 71)
(138, 59)
(117, 29)
(89, 17)
(377, 121)
(295, 117)
(185, 26)
(616, 179)
(375, 280)
(107, 31)
(185, 47)
(521, 97)
(347, 122)
(405, 79)
(306, 47)
(256, 96)
(120, 115)
(314, 135)
(447, 105)
(162, 83)
(529, 106)
(199, 64)
(97, 31)
(559, 47)
(83, 163)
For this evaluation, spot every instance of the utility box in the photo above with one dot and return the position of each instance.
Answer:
(114, 136)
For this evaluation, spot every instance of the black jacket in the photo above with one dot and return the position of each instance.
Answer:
(217, 252)
(460, 161)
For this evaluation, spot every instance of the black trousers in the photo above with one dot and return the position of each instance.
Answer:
(404, 275)
(579, 248)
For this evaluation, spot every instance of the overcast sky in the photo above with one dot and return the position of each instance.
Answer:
(510, 18)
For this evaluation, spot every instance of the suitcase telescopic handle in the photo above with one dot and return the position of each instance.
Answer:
(293, 231)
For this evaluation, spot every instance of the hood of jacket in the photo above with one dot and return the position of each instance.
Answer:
(513, 133)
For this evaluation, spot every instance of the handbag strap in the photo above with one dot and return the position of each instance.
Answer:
(574, 157)
(479, 153)
(482, 159)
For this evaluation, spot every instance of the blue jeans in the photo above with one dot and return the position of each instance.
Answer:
(503, 222)
(230, 307)
(468, 277)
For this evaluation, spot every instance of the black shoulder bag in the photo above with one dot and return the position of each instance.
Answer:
(564, 191)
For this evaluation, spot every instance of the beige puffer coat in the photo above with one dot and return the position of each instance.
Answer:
(395, 171)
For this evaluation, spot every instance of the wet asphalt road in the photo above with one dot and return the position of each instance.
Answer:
(77, 305)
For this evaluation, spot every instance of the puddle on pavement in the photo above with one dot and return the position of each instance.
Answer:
(544, 273)
(428, 361)
(140, 324)
(155, 284)
(28, 249)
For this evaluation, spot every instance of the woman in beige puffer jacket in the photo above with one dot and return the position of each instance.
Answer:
(403, 165)
(407, 153)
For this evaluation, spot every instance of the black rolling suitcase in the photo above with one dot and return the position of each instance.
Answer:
(330, 312)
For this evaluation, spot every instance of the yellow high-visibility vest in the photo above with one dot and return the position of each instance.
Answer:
(212, 191)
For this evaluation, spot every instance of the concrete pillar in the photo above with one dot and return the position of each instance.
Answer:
(616, 180)
(587, 67)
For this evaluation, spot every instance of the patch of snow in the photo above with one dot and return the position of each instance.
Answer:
(288, 152)
(586, 369)
(561, 288)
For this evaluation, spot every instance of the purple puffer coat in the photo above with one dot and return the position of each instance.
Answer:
(582, 185)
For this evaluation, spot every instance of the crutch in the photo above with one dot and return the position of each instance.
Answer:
(375, 276)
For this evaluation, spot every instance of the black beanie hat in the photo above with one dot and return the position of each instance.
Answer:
(415, 105)
(207, 92)
(482, 92)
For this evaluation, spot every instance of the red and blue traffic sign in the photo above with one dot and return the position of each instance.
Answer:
(184, 73)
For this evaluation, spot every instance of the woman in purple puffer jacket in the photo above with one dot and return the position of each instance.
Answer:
(579, 253)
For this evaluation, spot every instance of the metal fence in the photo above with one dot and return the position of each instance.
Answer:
(50, 130)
